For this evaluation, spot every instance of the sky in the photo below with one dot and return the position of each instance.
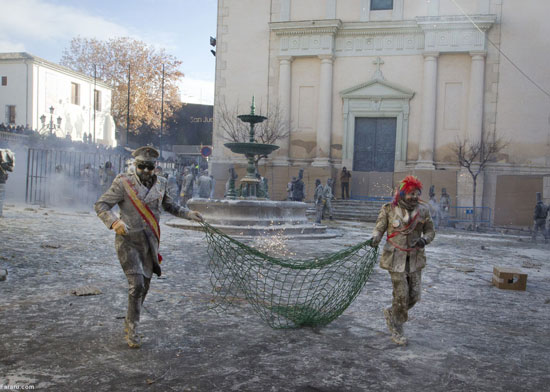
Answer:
(182, 27)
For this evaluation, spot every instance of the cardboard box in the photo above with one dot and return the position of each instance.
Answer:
(509, 278)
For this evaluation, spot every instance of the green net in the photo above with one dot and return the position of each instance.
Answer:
(287, 293)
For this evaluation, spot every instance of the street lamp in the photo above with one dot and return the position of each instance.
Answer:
(51, 126)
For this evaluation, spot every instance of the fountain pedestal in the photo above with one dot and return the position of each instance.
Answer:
(250, 216)
(254, 217)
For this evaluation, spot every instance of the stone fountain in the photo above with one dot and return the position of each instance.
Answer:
(251, 213)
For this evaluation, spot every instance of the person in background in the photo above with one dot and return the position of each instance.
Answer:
(345, 177)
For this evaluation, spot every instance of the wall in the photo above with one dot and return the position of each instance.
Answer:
(54, 89)
(242, 59)
(523, 110)
(509, 190)
(15, 93)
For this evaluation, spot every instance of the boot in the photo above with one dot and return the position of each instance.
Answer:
(398, 337)
(389, 320)
(395, 329)
(132, 336)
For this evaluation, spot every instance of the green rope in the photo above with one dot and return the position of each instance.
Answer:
(287, 293)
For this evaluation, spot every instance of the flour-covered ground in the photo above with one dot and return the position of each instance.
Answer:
(465, 334)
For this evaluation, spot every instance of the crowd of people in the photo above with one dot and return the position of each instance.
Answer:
(19, 129)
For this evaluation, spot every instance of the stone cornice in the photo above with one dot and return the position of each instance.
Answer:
(445, 34)
(380, 28)
(326, 26)
(453, 22)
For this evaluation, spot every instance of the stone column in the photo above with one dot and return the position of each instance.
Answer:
(429, 106)
(285, 70)
(284, 15)
(324, 113)
(475, 101)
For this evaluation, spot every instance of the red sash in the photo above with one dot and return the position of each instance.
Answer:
(396, 232)
(143, 210)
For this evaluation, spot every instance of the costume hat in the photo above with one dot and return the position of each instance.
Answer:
(146, 154)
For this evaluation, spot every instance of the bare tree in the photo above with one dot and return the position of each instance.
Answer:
(474, 156)
(268, 132)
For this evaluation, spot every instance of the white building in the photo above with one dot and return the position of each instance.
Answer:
(385, 88)
(31, 86)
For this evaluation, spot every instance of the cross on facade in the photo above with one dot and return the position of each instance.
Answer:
(378, 72)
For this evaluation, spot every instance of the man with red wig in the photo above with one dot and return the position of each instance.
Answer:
(409, 229)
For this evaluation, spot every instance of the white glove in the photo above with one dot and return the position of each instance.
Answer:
(120, 227)
(195, 216)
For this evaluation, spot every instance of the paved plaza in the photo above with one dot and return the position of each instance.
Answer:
(464, 335)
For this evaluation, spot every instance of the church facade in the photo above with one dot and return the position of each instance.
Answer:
(386, 88)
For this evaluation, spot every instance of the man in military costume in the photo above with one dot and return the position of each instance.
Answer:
(187, 186)
(539, 219)
(409, 229)
(444, 207)
(327, 198)
(140, 197)
(205, 185)
(7, 164)
(318, 199)
(106, 176)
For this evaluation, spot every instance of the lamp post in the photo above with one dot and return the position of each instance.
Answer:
(51, 125)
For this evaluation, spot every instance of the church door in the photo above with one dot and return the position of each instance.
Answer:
(373, 157)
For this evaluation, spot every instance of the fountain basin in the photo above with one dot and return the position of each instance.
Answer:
(252, 118)
(254, 218)
(251, 148)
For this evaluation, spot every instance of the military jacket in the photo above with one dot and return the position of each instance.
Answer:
(318, 196)
(137, 250)
(327, 192)
(403, 229)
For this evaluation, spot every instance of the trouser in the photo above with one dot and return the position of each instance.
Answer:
(138, 285)
(319, 212)
(406, 293)
(328, 206)
(540, 225)
(345, 190)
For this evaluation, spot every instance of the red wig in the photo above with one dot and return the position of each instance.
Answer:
(409, 184)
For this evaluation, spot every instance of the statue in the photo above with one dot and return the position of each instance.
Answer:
(262, 187)
(298, 193)
(230, 192)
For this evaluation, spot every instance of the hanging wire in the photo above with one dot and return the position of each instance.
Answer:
(501, 52)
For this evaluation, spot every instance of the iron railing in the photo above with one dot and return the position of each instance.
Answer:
(466, 214)
(57, 177)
